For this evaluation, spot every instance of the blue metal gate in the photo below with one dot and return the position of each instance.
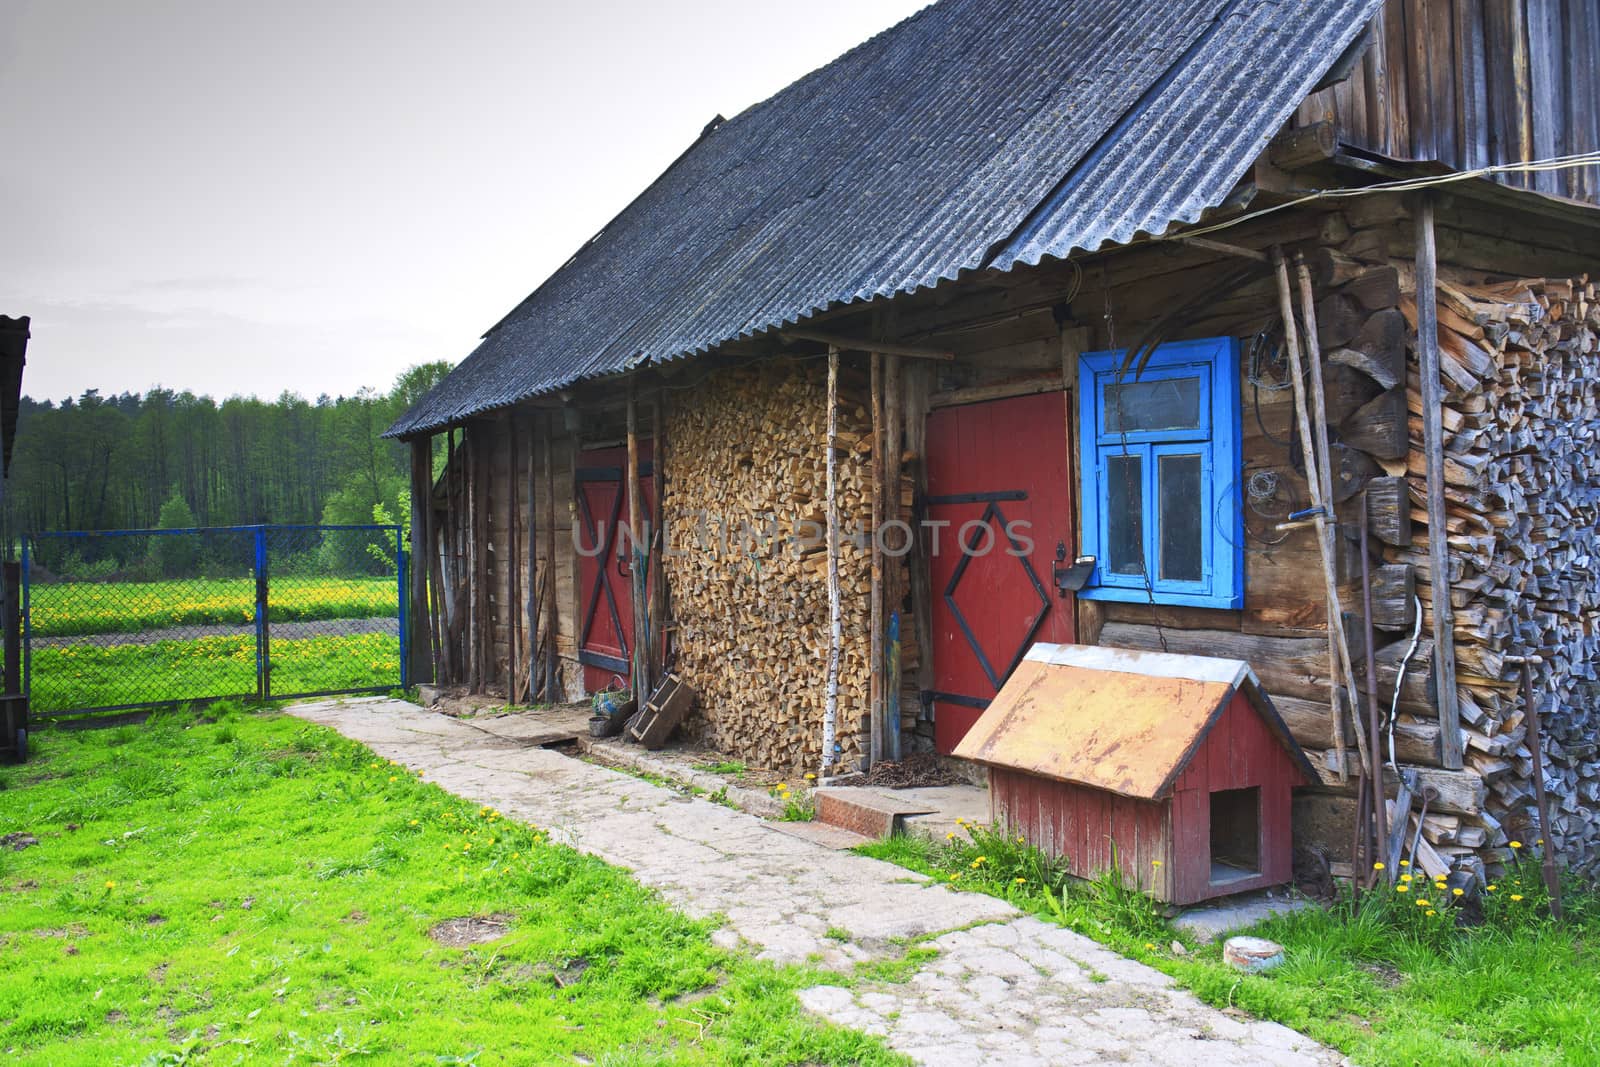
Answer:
(118, 620)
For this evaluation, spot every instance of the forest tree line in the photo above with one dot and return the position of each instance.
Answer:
(115, 462)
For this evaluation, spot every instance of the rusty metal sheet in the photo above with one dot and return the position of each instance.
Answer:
(1120, 721)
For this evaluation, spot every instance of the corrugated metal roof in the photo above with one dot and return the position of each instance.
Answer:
(975, 133)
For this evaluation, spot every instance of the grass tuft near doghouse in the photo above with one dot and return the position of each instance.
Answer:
(1392, 980)
(246, 887)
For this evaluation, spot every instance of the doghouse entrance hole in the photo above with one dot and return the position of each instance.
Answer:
(1235, 834)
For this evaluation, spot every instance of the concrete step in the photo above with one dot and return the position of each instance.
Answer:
(865, 811)
(821, 833)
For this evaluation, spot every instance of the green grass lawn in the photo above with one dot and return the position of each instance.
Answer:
(64, 609)
(1391, 982)
(90, 676)
(258, 889)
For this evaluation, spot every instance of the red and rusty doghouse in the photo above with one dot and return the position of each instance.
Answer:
(1174, 769)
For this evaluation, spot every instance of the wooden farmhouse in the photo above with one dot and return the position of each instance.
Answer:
(1228, 328)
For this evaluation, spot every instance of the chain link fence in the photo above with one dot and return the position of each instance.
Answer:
(124, 619)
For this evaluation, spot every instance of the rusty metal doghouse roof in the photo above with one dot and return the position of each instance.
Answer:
(975, 134)
(1127, 722)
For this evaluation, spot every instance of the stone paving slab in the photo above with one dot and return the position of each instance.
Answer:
(1004, 989)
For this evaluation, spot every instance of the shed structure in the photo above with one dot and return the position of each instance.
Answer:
(1174, 770)
(1076, 303)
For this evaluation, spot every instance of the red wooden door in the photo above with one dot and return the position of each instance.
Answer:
(999, 517)
(605, 640)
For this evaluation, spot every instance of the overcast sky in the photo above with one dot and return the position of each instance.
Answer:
(245, 197)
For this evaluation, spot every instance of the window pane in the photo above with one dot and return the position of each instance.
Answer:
(1165, 404)
(1178, 483)
(1125, 514)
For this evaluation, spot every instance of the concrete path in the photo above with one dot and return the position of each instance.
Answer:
(1005, 988)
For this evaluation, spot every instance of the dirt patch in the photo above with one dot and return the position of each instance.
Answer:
(356, 918)
(18, 841)
(1384, 974)
(154, 919)
(70, 930)
(114, 1016)
(470, 930)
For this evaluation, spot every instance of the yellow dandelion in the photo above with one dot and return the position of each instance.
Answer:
(1516, 896)
(467, 847)
(1424, 903)
(1149, 947)
(956, 877)
(950, 836)
(1402, 888)
(1430, 911)
(1516, 844)
(1405, 878)
(811, 777)
(1457, 892)
(111, 885)
(1492, 888)
(413, 822)
(1378, 866)
(392, 778)
(1405, 863)
(1021, 881)
(1155, 863)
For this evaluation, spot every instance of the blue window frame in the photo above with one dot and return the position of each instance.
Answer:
(1160, 471)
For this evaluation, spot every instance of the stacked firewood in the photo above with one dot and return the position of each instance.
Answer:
(745, 515)
(1522, 371)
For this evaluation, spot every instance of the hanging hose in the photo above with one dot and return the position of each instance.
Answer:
(1400, 677)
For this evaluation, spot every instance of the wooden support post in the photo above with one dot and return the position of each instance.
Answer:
(419, 652)
(515, 677)
(657, 593)
(530, 618)
(1291, 340)
(918, 388)
(1444, 649)
(449, 592)
(894, 593)
(480, 453)
(638, 560)
(1088, 615)
(830, 705)
(875, 556)
(552, 621)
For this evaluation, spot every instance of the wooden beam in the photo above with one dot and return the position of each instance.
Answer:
(530, 620)
(657, 595)
(1444, 658)
(838, 341)
(1088, 615)
(514, 672)
(1223, 248)
(1001, 390)
(830, 705)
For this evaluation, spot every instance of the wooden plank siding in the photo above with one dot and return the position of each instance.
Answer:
(1470, 83)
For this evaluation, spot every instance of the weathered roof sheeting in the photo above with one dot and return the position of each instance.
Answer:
(976, 133)
(1115, 719)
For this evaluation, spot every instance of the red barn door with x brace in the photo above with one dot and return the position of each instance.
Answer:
(605, 604)
(999, 519)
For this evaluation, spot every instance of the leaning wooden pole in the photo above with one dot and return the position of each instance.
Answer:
(1319, 425)
(1291, 342)
(830, 705)
(638, 561)
(1444, 647)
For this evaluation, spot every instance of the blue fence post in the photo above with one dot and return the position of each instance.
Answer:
(27, 625)
(263, 658)
(402, 561)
